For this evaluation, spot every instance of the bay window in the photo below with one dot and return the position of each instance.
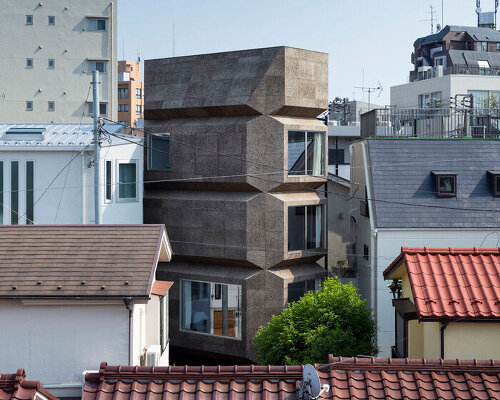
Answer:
(306, 153)
(211, 308)
(305, 227)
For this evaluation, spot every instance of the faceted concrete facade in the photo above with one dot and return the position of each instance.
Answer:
(225, 197)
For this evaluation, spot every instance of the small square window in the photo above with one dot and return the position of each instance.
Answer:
(446, 184)
(52, 20)
(96, 24)
(29, 106)
(29, 19)
(29, 63)
(103, 108)
(97, 66)
(52, 63)
(52, 105)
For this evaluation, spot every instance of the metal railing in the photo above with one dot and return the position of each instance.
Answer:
(453, 70)
(432, 123)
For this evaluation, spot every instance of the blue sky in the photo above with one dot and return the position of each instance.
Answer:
(359, 35)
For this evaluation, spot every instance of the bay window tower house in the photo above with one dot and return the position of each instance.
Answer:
(236, 166)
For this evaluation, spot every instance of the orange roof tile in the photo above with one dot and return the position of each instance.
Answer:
(453, 282)
(349, 378)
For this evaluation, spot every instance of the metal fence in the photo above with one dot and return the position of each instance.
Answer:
(432, 123)
(435, 72)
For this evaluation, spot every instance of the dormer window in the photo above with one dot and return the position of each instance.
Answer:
(446, 183)
(494, 179)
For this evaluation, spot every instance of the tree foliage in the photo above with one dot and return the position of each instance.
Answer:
(333, 320)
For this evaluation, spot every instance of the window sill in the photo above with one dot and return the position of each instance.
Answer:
(210, 335)
(134, 200)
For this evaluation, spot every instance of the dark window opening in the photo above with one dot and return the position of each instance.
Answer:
(446, 184)
(336, 156)
(366, 252)
(297, 289)
(158, 151)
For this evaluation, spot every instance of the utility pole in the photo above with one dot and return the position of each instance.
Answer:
(97, 197)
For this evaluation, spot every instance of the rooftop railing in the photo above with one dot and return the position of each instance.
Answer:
(432, 123)
(433, 72)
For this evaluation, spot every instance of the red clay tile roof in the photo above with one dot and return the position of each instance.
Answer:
(453, 282)
(98, 261)
(14, 386)
(349, 378)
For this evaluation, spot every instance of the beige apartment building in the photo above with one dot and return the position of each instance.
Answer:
(49, 50)
(130, 94)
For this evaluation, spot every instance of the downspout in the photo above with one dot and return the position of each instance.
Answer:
(127, 301)
(442, 328)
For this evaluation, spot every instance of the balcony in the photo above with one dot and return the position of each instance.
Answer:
(432, 123)
(432, 72)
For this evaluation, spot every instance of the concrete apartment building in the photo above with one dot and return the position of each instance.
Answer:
(237, 137)
(49, 50)
(453, 64)
(130, 93)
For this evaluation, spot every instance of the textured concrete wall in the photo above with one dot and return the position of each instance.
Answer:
(226, 195)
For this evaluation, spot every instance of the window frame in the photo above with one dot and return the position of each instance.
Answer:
(323, 228)
(164, 325)
(125, 91)
(53, 60)
(53, 17)
(14, 193)
(150, 150)
(108, 184)
(324, 167)
(317, 285)
(28, 62)
(138, 93)
(238, 313)
(30, 193)
(438, 176)
(138, 109)
(92, 66)
(117, 178)
(29, 19)
(29, 105)
(53, 108)
(123, 106)
(97, 19)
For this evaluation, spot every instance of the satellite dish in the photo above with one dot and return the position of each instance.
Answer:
(311, 379)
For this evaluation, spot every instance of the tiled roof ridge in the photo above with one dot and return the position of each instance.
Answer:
(411, 364)
(450, 250)
(17, 381)
(12, 380)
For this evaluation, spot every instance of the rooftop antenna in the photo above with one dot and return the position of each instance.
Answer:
(310, 385)
(173, 38)
(432, 19)
(371, 90)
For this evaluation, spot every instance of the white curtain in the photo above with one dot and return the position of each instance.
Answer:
(318, 153)
(319, 225)
(186, 305)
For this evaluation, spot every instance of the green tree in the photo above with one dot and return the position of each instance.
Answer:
(333, 320)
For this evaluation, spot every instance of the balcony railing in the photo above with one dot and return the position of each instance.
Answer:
(434, 72)
(432, 123)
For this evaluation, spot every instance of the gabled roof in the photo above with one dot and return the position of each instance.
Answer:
(452, 282)
(56, 137)
(97, 261)
(349, 378)
(404, 188)
(16, 387)
(476, 33)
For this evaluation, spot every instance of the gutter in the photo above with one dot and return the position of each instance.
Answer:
(126, 301)
(442, 328)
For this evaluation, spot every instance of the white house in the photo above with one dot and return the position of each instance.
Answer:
(47, 175)
(418, 192)
(72, 296)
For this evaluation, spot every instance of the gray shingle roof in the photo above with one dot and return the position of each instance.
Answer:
(478, 34)
(401, 172)
(470, 58)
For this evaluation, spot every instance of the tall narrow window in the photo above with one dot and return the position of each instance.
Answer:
(52, 106)
(306, 153)
(163, 322)
(52, 63)
(52, 20)
(29, 63)
(29, 19)
(14, 192)
(158, 151)
(1, 192)
(108, 180)
(127, 185)
(305, 227)
(138, 93)
(30, 192)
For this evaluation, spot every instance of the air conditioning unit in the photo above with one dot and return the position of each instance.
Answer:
(153, 355)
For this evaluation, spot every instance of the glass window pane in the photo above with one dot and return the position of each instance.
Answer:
(14, 192)
(158, 152)
(30, 212)
(314, 227)
(315, 153)
(127, 185)
(108, 180)
(296, 228)
(196, 306)
(1, 192)
(101, 24)
(296, 153)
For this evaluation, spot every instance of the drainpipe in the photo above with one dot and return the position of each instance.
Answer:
(127, 301)
(442, 328)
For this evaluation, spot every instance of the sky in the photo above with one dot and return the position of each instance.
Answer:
(368, 41)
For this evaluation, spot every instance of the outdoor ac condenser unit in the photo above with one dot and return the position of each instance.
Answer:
(153, 355)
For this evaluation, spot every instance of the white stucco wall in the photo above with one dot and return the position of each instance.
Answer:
(56, 343)
(69, 42)
(70, 198)
(406, 95)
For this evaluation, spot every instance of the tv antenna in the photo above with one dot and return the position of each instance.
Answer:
(310, 385)
(431, 19)
(371, 90)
